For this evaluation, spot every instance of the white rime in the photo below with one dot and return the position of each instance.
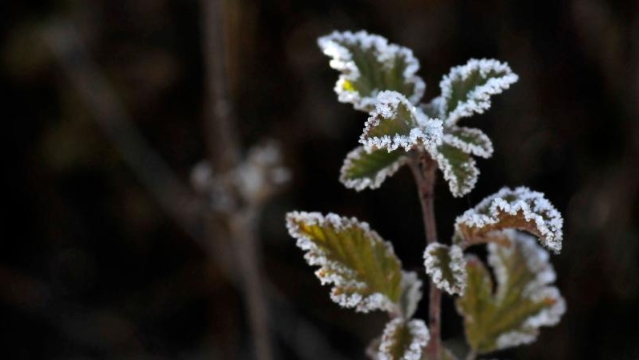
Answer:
(534, 207)
(344, 291)
(458, 187)
(498, 77)
(336, 46)
(480, 145)
(370, 182)
(413, 351)
(424, 132)
(456, 266)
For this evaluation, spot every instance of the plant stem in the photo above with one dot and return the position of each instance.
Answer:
(424, 168)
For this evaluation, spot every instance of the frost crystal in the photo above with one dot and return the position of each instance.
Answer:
(396, 123)
(358, 86)
(520, 209)
(350, 274)
(469, 140)
(411, 337)
(446, 267)
(458, 168)
(468, 88)
(363, 169)
(537, 288)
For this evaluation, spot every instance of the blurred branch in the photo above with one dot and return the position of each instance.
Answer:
(175, 198)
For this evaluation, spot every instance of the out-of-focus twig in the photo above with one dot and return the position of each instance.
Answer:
(224, 149)
(174, 197)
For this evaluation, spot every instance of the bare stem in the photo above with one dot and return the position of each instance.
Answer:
(224, 150)
(424, 168)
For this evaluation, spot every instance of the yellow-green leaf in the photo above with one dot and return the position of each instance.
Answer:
(363, 169)
(522, 302)
(520, 209)
(403, 340)
(369, 65)
(363, 269)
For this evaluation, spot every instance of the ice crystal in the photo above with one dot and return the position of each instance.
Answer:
(368, 169)
(358, 86)
(469, 140)
(403, 340)
(446, 267)
(521, 209)
(468, 88)
(396, 123)
(368, 279)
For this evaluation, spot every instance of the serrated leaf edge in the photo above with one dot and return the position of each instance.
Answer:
(315, 256)
(485, 151)
(457, 267)
(420, 337)
(457, 189)
(370, 183)
(479, 98)
(341, 60)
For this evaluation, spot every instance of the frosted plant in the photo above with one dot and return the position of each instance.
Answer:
(381, 79)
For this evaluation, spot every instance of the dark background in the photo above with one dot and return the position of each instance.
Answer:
(91, 267)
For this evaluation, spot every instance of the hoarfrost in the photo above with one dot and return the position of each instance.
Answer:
(448, 169)
(532, 205)
(419, 338)
(478, 99)
(479, 146)
(455, 263)
(344, 291)
(423, 131)
(411, 294)
(372, 182)
(336, 45)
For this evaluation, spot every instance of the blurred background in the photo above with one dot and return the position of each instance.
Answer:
(93, 266)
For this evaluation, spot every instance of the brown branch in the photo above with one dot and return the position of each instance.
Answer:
(424, 168)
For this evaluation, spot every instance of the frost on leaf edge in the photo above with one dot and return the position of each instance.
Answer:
(370, 183)
(484, 151)
(478, 99)
(457, 189)
(538, 262)
(419, 336)
(341, 60)
(315, 256)
(425, 132)
(551, 234)
(457, 268)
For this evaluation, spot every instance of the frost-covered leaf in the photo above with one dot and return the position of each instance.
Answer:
(469, 140)
(520, 209)
(522, 302)
(365, 273)
(363, 169)
(411, 294)
(396, 123)
(403, 340)
(458, 168)
(467, 89)
(446, 267)
(368, 65)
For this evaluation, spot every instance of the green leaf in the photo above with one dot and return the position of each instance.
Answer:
(396, 123)
(520, 209)
(403, 340)
(467, 89)
(523, 301)
(369, 65)
(469, 140)
(458, 168)
(363, 169)
(365, 273)
(446, 267)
